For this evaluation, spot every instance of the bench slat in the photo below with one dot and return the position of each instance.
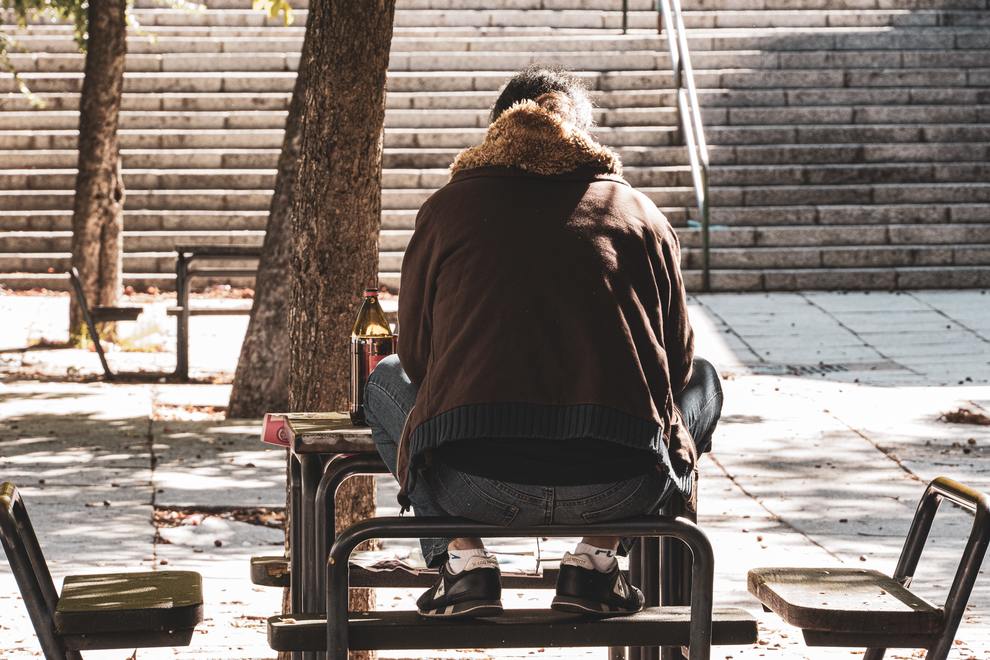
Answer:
(273, 571)
(655, 626)
(210, 311)
(106, 314)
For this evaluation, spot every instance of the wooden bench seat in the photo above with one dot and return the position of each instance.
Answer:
(666, 626)
(108, 314)
(129, 605)
(274, 572)
(858, 607)
(847, 600)
(210, 311)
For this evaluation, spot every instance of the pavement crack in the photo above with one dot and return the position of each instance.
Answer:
(728, 329)
(855, 334)
(773, 515)
(886, 452)
(952, 319)
(153, 462)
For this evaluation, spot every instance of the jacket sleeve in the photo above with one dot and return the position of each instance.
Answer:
(677, 332)
(419, 272)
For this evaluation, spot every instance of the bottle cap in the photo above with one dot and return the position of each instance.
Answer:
(371, 292)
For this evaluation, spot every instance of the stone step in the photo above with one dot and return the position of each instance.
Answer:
(483, 100)
(842, 279)
(491, 80)
(399, 81)
(162, 241)
(845, 173)
(251, 179)
(776, 154)
(215, 221)
(266, 45)
(255, 200)
(265, 119)
(640, 136)
(776, 44)
(714, 118)
(413, 198)
(639, 5)
(595, 18)
(795, 174)
(829, 215)
(427, 61)
(638, 54)
(437, 138)
(846, 133)
(396, 240)
(874, 256)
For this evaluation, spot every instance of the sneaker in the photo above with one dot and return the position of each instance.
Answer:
(583, 590)
(474, 592)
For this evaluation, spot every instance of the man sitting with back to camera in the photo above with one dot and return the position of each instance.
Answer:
(545, 371)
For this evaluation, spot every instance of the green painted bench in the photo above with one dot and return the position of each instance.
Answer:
(102, 611)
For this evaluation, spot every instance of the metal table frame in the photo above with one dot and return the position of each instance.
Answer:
(338, 564)
(661, 567)
(186, 256)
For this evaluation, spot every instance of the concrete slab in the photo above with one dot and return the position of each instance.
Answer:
(217, 463)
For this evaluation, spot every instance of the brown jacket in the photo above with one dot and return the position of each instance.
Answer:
(542, 297)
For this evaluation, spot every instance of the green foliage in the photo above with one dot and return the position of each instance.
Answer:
(52, 11)
(275, 7)
(73, 12)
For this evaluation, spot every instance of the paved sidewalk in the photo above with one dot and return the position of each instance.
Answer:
(830, 430)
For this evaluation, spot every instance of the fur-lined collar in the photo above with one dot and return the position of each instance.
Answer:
(529, 137)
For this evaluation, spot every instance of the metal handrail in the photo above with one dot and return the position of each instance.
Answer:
(692, 128)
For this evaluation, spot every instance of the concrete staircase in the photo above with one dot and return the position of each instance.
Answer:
(850, 138)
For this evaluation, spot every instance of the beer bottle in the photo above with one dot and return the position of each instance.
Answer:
(371, 341)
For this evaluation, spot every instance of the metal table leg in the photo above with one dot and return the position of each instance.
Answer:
(636, 579)
(650, 575)
(182, 320)
(310, 471)
(295, 540)
(337, 470)
(676, 563)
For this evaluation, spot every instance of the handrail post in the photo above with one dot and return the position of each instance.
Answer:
(671, 20)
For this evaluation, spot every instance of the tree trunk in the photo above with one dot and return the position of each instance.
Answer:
(261, 382)
(336, 211)
(98, 213)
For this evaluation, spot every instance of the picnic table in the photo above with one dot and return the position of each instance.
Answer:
(326, 448)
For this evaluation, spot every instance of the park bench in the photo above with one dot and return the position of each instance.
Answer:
(185, 272)
(103, 611)
(865, 608)
(326, 449)
(94, 315)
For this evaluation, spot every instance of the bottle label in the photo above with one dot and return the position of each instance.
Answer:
(366, 353)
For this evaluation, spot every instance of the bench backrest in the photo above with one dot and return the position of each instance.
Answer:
(34, 580)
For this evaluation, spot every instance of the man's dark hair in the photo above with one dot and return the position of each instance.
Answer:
(535, 81)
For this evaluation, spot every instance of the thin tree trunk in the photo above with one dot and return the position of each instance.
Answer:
(336, 212)
(261, 382)
(98, 213)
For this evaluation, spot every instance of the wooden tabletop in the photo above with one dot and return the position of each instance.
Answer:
(318, 433)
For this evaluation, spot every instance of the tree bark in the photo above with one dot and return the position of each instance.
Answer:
(261, 382)
(98, 212)
(336, 212)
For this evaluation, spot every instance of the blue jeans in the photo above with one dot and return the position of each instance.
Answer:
(444, 491)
